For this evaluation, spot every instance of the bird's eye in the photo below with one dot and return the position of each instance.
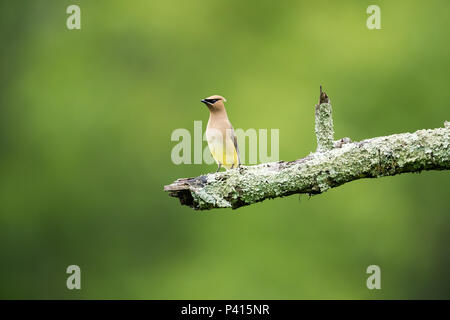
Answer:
(212, 100)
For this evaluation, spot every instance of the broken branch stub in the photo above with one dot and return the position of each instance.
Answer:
(324, 123)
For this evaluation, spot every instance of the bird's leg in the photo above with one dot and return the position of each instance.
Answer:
(220, 165)
(232, 166)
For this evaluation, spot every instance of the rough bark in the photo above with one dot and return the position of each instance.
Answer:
(333, 164)
(324, 123)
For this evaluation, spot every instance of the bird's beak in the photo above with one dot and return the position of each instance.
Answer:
(206, 102)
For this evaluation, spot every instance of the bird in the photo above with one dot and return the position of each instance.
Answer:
(220, 135)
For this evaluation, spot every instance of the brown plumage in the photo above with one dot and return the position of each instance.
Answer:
(220, 135)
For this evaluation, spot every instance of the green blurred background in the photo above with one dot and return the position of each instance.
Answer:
(85, 123)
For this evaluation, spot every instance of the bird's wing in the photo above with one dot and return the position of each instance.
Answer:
(233, 137)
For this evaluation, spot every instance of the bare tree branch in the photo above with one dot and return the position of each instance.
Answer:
(333, 164)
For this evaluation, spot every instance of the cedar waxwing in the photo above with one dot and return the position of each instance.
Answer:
(220, 135)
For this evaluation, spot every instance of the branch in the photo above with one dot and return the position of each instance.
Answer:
(333, 164)
(324, 123)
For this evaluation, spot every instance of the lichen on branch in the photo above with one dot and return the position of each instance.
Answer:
(333, 164)
(324, 123)
(318, 172)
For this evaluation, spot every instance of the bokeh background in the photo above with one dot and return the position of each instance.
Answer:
(85, 123)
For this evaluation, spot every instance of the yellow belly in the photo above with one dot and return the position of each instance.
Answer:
(224, 153)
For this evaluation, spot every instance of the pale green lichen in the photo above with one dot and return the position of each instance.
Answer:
(324, 127)
(407, 152)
